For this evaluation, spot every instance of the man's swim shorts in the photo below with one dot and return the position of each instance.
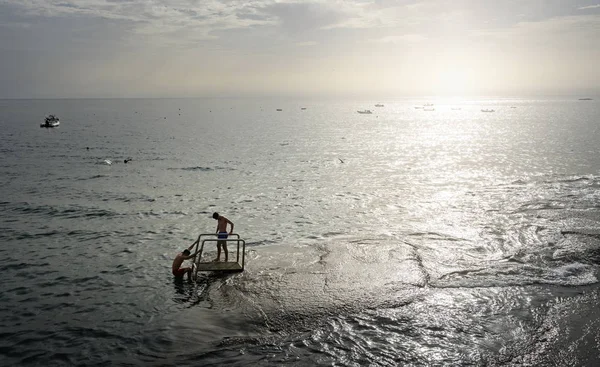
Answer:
(180, 272)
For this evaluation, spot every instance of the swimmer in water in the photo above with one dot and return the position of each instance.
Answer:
(222, 234)
(179, 271)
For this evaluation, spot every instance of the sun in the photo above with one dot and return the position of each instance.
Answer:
(452, 82)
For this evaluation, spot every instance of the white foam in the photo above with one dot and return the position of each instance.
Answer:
(577, 274)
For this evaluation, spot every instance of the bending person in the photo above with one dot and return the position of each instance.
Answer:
(179, 271)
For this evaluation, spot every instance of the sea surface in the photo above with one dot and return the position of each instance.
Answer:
(452, 237)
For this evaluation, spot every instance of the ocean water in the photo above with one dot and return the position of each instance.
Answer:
(405, 237)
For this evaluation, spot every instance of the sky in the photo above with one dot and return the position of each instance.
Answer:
(292, 48)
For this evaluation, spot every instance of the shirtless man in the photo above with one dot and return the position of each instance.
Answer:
(222, 234)
(178, 271)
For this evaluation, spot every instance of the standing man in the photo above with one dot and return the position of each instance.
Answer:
(178, 271)
(222, 234)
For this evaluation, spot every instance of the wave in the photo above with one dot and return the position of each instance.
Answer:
(203, 169)
(38, 347)
(91, 177)
(73, 211)
(519, 274)
(77, 235)
(15, 266)
(553, 180)
(590, 232)
(162, 213)
(573, 179)
(27, 235)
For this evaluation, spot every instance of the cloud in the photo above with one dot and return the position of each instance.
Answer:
(405, 38)
(553, 27)
(197, 46)
(206, 16)
(306, 44)
(589, 7)
(193, 20)
(297, 16)
(151, 17)
(11, 24)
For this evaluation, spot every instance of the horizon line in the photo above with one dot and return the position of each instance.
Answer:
(424, 96)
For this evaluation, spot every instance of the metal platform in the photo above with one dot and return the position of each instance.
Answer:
(220, 266)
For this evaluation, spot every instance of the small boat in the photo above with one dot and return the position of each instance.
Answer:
(365, 112)
(379, 105)
(487, 110)
(302, 108)
(585, 99)
(418, 107)
(513, 107)
(50, 121)
(279, 109)
(456, 108)
(428, 104)
(429, 109)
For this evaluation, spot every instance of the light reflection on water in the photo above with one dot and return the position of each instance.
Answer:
(403, 237)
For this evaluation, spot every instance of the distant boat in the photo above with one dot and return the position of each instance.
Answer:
(418, 107)
(487, 110)
(379, 105)
(429, 109)
(428, 104)
(50, 121)
(279, 109)
(303, 108)
(585, 99)
(513, 107)
(365, 112)
(456, 108)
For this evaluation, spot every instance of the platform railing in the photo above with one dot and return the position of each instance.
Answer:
(200, 242)
(199, 256)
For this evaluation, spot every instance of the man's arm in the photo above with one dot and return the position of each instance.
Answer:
(191, 256)
(195, 243)
(230, 222)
